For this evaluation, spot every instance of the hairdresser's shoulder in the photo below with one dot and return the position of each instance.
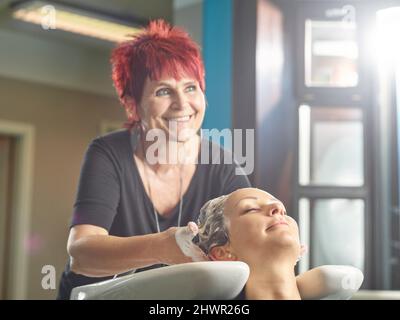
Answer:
(116, 142)
(113, 138)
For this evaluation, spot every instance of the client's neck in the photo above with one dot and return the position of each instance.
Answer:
(276, 281)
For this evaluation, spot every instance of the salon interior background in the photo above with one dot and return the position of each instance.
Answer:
(315, 79)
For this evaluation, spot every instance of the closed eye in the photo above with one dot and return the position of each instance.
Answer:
(251, 210)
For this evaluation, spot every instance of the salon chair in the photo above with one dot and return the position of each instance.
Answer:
(208, 280)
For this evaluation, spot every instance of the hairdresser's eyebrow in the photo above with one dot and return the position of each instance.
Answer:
(159, 84)
(189, 82)
(255, 198)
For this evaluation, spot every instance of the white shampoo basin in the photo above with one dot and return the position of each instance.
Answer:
(208, 280)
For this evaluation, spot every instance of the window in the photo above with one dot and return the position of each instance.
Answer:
(335, 227)
(331, 54)
(330, 146)
(333, 185)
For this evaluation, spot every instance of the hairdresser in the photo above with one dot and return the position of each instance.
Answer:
(137, 198)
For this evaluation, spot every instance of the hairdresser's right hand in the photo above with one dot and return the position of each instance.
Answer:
(177, 245)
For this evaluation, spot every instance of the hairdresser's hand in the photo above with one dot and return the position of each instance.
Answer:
(303, 250)
(178, 246)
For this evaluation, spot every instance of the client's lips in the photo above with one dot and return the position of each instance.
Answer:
(277, 224)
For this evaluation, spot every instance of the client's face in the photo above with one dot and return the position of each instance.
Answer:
(258, 225)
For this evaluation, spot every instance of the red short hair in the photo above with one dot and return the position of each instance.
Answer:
(159, 49)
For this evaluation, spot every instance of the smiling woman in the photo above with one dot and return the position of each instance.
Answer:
(132, 212)
(270, 246)
(161, 52)
(174, 106)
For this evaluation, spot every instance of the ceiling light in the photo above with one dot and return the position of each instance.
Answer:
(53, 15)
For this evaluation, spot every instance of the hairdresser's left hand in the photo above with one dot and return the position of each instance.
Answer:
(303, 250)
(178, 245)
(184, 237)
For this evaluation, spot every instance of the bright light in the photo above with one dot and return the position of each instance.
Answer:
(51, 16)
(387, 35)
(346, 49)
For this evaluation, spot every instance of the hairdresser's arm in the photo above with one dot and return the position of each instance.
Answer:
(329, 282)
(95, 253)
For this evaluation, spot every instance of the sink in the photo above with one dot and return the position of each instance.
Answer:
(207, 280)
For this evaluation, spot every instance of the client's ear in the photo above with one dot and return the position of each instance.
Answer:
(221, 253)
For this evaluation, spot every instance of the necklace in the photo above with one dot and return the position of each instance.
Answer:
(150, 193)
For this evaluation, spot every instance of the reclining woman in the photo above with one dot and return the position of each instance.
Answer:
(252, 226)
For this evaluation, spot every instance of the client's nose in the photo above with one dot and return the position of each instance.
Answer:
(276, 208)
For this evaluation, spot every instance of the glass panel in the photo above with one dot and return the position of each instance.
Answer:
(331, 54)
(337, 232)
(304, 232)
(330, 146)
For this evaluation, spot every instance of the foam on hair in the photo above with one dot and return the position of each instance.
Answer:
(213, 227)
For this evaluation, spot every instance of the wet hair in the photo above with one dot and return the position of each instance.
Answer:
(213, 226)
(158, 49)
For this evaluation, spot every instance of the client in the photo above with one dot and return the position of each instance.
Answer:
(252, 226)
